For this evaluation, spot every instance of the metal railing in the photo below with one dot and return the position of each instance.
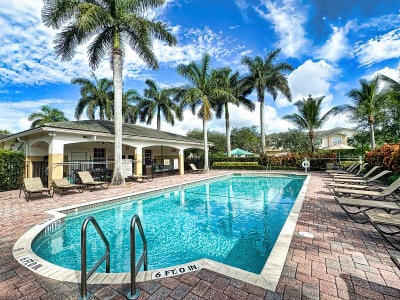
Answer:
(135, 292)
(84, 274)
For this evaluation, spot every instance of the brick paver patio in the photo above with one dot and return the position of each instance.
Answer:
(344, 260)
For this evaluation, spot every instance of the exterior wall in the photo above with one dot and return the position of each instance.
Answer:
(329, 139)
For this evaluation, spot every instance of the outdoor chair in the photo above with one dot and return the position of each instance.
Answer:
(389, 191)
(367, 181)
(34, 186)
(348, 170)
(365, 176)
(388, 225)
(195, 169)
(139, 178)
(354, 207)
(88, 181)
(353, 174)
(63, 185)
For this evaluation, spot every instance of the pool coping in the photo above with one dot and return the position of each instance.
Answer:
(268, 278)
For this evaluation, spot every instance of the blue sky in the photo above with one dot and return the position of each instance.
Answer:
(330, 44)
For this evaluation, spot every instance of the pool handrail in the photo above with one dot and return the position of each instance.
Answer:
(135, 292)
(84, 294)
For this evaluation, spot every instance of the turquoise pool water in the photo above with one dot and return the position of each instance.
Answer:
(234, 220)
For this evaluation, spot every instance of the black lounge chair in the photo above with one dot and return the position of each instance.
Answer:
(388, 225)
(354, 207)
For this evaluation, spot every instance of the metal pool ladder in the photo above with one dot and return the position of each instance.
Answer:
(84, 274)
(135, 292)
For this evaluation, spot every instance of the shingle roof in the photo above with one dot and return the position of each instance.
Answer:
(127, 129)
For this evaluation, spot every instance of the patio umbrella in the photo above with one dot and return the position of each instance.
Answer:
(339, 147)
(238, 151)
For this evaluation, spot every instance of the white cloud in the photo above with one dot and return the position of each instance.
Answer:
(378, 49)
(311, 77)
(337, 46)
(288, 19)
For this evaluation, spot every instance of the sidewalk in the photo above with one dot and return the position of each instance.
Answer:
(344, 260)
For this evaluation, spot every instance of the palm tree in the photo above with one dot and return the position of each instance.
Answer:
(158, 102)
(109, 24)
(47, 114)
(367, 104)
(235, 93)
(201, 89)
(130, 111)
(94, 95)
(265, 75)
(309, 116)
(391, 124)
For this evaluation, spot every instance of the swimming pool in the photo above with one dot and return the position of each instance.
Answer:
(233, 220)
(271, 271)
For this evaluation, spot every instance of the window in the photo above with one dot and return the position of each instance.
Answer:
(336, 140)
(99, 154)
(147, 157)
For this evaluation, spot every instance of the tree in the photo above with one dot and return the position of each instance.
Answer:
(109, 24)
(235, 93)
(47, 114)
(367, 104)
(158, 102)
(293, 140)
(130, 111)
(96, 94)
(309, 116)
(247, 138)
(391, 107)
(265, 75)
(201, 89)
(215, 137)
(5, 132)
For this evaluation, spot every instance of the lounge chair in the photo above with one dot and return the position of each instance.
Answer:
(139, 178)
(365, 176)
(386, 224)
(88, 181)
(195, 169)
(389, 191)
(63, 185)
(34, 186)
(349, 169)
(354, 207)
(367, 181)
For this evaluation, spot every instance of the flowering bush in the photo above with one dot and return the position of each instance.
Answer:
(387, 156)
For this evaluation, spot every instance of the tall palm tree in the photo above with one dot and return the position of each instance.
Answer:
(309, 116)
(47, 114)
(367, 104)
(235, 93)
(109, 24)
(201, 89)
(158, 102)
(265, 75)
(96, 94)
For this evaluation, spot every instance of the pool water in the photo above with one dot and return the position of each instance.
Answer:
(234, 220)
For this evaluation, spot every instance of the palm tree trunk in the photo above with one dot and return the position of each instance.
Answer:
(205, 138)
(262, 127)
(117, 78)
(371, 126)
(158, 119)
(311, 135)
(228, 131)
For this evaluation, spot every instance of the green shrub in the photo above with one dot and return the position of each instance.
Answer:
(387, 156)
(247, 165)
(11, 169)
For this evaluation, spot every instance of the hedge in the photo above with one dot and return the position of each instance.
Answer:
(387, 156)
(11, 169)
(248, 165)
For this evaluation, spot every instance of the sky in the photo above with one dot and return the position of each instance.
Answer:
(330, 44)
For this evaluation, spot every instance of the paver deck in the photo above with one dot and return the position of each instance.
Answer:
(344, 260)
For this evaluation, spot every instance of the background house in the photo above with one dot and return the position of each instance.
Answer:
(333, 137)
